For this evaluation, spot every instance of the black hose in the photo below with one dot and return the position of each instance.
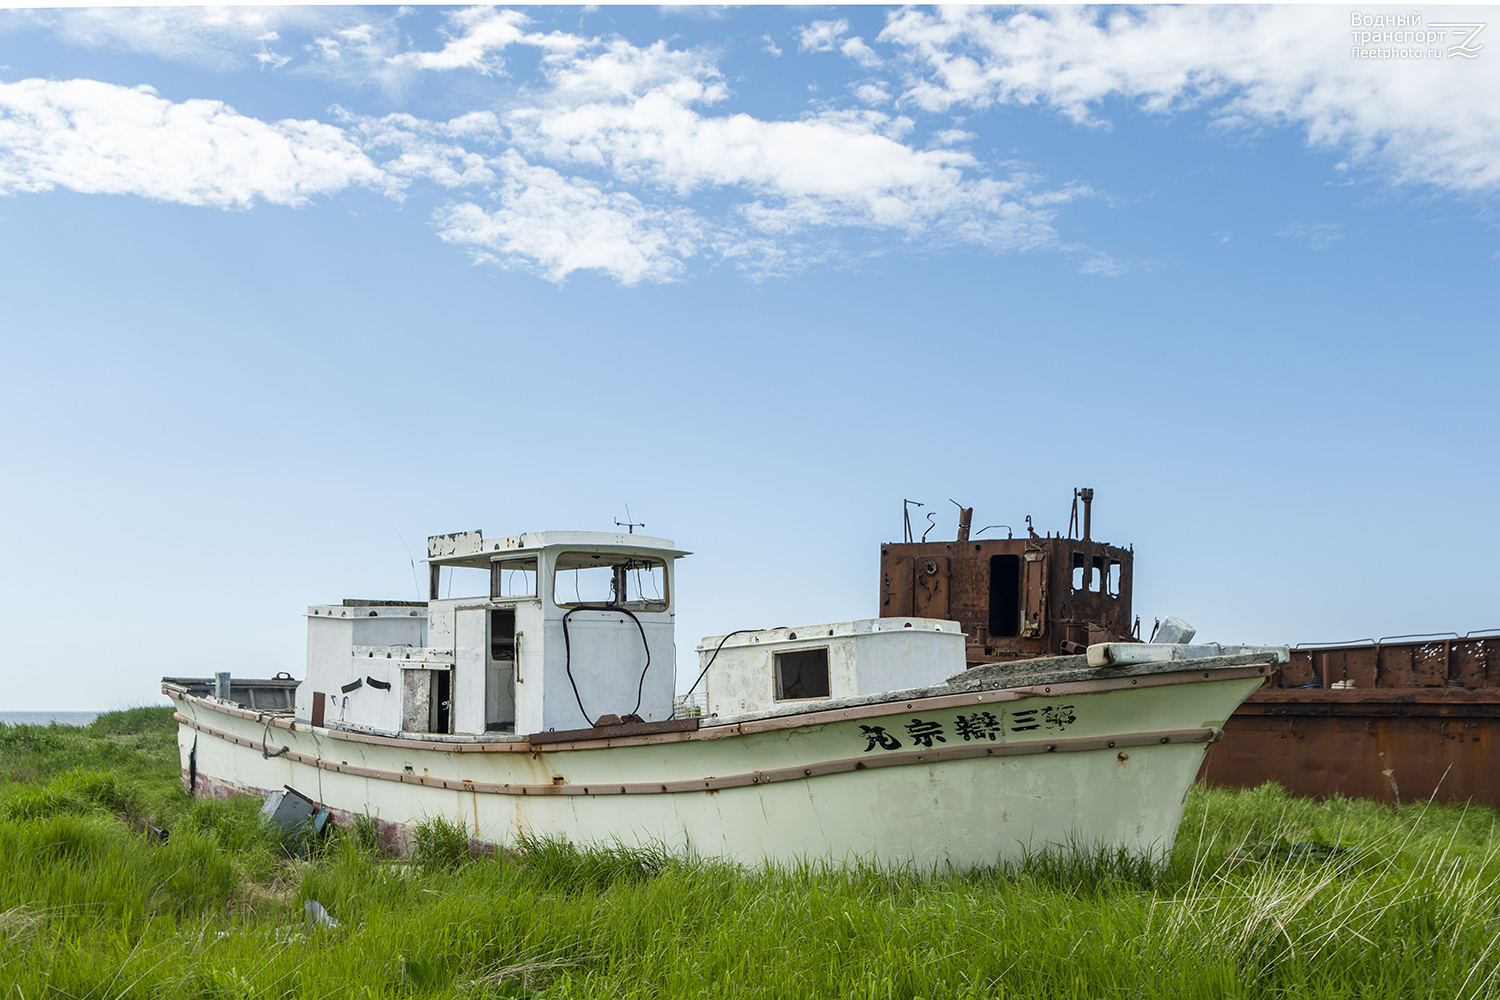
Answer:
(568, 655)
(714, 657)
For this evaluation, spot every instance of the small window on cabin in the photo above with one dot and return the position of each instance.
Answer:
(513, 578)
(1079, 582)
(1096, 574)
(606, 579)
(1112, 579)
(462, 581)
(801, 674)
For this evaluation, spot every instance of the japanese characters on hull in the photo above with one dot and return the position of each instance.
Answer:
(969, 727)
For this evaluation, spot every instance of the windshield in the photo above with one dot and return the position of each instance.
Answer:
(599, 578)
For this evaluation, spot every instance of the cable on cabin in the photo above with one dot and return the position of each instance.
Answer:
(568, 655)
(714, 657)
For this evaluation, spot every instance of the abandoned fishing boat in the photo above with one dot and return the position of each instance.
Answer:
(541, 703)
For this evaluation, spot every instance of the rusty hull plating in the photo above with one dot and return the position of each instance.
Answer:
(1398, 721)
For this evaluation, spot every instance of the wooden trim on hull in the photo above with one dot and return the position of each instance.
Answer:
(714, 732)
(748, 779)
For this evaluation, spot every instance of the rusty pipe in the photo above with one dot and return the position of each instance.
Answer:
(965, 519)
(1087, 496)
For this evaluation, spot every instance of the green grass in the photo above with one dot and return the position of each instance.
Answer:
(1264, 896)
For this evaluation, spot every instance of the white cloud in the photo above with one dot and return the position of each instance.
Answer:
(432, 150)
(101, 138)
(856, 49)
(638, 114)
(770, 47)
(218, 38)
(603, 164)
(1103, 265)
(821, 36)
(1249, 66)
(618, 70)
(824, 36)
(1317, 235)
(557, 225)
(952, 137)
(479, 33)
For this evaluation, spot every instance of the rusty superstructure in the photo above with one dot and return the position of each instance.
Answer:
(1016, 598)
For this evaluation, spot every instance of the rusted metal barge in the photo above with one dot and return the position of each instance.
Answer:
(1399, 719)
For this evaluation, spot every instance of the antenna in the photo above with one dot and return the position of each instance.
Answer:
(628, 524)
(413, 560)
(906, 506)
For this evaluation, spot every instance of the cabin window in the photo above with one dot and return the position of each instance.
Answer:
(1005, 595)
(1112, 579)
(1096, 574)
(503, 634)
(1080, 578)
(461, 581)
(606, 579)
(802, 673)
(513, 578)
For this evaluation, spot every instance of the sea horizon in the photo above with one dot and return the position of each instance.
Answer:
(67, 718)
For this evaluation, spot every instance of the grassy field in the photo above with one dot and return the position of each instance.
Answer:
(1264, 896)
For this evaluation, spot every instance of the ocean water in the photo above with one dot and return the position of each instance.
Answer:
(44, 718)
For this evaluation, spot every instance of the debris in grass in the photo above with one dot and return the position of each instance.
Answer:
(1317, 847)
(293, 811)
(314, 916)
(318, 916)
(528, 972)
(17, 921)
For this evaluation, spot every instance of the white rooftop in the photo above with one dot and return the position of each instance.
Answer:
(465, 546)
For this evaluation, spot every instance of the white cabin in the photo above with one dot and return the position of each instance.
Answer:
(545, 631)
(795, 668)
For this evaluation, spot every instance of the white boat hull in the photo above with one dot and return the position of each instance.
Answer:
(974, 778)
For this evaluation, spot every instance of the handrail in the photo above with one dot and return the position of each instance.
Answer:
(1388, 638)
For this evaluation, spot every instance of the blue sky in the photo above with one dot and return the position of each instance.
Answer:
(283, 291)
